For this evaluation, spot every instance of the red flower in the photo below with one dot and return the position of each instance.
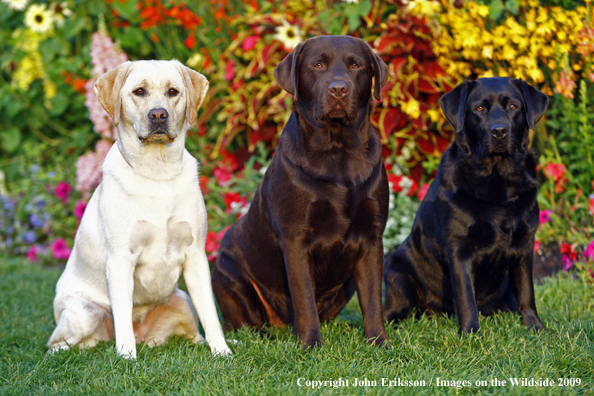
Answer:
(203, 182)
(536, 245)
(423, 191)
(249, 42)
(222, 175)
(395, 180)
(566, 248)
(555, 171)
(231, 198)
(592, 204)
(412, 188)
(190, 42)
(62, 191)
(230, 70)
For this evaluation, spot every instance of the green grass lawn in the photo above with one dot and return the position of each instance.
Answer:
(423, 350)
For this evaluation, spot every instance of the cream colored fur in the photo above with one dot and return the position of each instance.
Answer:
(144, 226)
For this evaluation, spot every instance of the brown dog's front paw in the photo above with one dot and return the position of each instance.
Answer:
(469, 328)
(311, 340)
(532, 322)
(380, 341)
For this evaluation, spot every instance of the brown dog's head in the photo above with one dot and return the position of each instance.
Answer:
(491, 116)
(331, 77)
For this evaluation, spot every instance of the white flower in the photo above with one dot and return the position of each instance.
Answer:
(17, 5)
(351, 1)
(60, 11)
(288, 34)
(39, 19)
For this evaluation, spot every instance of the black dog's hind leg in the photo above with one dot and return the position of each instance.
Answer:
(402, 288)
(520, 276)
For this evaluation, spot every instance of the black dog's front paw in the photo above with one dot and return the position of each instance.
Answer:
(469, 328)
(380, 341)
(532, 321)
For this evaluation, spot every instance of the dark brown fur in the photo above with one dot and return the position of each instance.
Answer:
(313, 233)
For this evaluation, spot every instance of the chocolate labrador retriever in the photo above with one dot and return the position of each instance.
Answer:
(313, 233)
(473, 236)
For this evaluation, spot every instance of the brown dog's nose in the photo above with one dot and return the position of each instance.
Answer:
(499, 131)
(158, 116)
(338, 89)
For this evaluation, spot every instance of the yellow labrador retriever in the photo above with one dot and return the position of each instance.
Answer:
(144, 225)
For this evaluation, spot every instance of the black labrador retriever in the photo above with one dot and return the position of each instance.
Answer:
(313, 233)
(473, 235)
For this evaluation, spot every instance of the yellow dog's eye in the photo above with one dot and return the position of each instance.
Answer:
(139, 92)
(173, 92)
(480, 108)
(513, 107)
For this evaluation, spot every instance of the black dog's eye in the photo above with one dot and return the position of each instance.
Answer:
(173, 92)
(480, 108)
(318, 65)
(355, 66)
(139, 92)
(513, 106)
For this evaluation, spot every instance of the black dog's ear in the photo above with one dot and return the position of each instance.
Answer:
(380, 72)
(536, 102)
(453, 105)
(286, 73)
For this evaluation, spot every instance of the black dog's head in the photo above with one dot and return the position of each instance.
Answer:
(491, 116)
(330, 77)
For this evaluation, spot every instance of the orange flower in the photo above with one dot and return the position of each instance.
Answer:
(565, 85)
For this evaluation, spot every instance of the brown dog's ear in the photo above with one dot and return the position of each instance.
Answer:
(535, 102)
(286, 73)
(453, 105)
(380, 72)
(108, 88)
(197, 86)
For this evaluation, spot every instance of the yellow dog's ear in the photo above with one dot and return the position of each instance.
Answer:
(108, 88)
(197, 86)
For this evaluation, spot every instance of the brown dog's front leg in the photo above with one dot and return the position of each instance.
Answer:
(464, 298)
(368, 281)
(522, 282)
(299, 277)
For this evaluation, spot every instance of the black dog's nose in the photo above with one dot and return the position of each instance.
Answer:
(338, 89)
(158, 116)
(499, 131)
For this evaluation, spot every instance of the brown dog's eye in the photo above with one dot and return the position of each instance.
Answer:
(355, 66)
(480, 108)
(318, 65)
(173, 92)
(513, 107)
(139, 92)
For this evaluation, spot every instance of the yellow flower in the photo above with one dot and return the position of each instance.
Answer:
(17, 5)
(412, 108)
(288, 34)
(195, 60)
(49, 88)
(488, 51)
(39, 19)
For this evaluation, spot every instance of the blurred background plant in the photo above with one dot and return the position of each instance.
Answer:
(54, 130)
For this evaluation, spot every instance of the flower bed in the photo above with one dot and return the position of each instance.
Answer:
(55, 133)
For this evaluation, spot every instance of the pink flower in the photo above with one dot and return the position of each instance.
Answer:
(567, 263)
(32, 255)
(423, 191)
(230, 70)
(545, 216)
(62, 191)
(222, 175)
(555, 171)
(565, 85)
(79, 209)
(249, 42)
(592, 204)
(89, 167)
(589, 252)
(60, 249)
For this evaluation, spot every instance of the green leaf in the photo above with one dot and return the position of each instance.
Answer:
(496, 10)
(10, 138)
(13, 108)
(60, 103)
(127, 10)
(335, 26)
(513, 6)
(365, 7)
(131, 38)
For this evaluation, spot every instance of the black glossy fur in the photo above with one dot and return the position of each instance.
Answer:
(472, 241)
(313, 233)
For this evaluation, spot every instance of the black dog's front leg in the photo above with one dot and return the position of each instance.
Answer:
(299, 277)
(523, 285)
(368, 281)
(464, 297)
